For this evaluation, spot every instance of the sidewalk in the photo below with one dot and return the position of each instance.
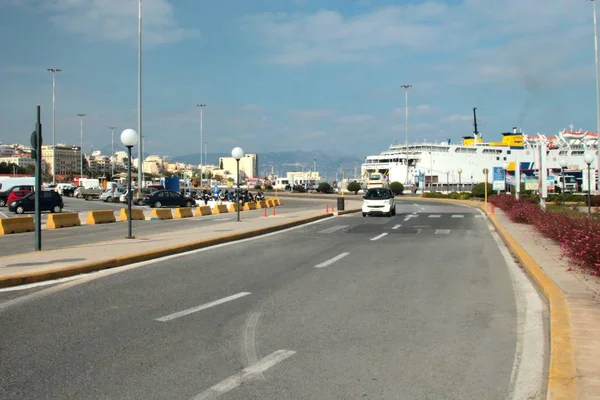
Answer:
(582, 293)
(52, 264)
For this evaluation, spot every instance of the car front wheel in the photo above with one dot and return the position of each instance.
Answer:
(157, 204)
(20, 210)
(56, 209)
(188, 203)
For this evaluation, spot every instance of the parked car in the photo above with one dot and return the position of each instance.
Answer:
(112, 196)
(162, 198)
(379, 201)
(68, 191)
(138, 195)
(17, 195)
(50, 200)
(4, 195)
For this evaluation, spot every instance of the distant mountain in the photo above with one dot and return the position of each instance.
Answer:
(281, 162)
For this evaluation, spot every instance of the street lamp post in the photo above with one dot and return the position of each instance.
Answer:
(238, 153)
(589, 158)
(54, 71)
(129, 138)
(597, 83)
(112, 149)
(459, 171)
(505, 168)
(406, 87)
(81, 134)
(448, 181)
(139, 110)
(563, 163)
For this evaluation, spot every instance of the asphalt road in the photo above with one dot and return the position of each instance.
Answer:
(418, 306)
(58, 238)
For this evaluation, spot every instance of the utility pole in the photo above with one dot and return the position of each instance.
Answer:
(112, 149)
(597, 89)
(406, 87)
(54, 71)
(139, 110)
(201, 106)
(81, 133)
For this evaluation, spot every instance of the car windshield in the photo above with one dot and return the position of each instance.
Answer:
(377, 193)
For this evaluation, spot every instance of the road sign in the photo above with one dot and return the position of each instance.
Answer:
(498, 178)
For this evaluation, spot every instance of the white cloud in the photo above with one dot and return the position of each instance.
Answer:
(457, 118)
(252, 108)
(420, 109)
(116, 20)
(353, 119)
(310, 114)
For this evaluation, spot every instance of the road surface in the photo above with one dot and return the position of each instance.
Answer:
(418, 306)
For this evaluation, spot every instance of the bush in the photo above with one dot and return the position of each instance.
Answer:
(268, 187)
(354, 187)
(396, 187)
(325, 187)
(453, 195)
(299, 189)
(479, 190)
(257, 187)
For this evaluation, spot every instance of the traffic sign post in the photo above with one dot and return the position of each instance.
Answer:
(36, 153)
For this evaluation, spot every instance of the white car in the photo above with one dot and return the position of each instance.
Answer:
(379, 201)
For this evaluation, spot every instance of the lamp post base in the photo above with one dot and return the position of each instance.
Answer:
(129, 237)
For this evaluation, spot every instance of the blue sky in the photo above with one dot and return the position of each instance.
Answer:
(281, 75)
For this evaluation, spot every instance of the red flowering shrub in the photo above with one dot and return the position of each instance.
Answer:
(577, 235)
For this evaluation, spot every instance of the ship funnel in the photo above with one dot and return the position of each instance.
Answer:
(514, 129)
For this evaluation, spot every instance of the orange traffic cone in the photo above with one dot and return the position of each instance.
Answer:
(332, 208)
(273, 209)
(327, 208)
(265, 211)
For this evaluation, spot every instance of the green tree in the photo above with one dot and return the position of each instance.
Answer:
(479, 190)
(324, 187)
(257, 187)
(354, 187)
(396, 187)
(299, 189)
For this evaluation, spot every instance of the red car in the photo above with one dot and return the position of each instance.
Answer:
(17, 195)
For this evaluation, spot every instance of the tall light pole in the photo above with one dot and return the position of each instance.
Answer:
(81, 134)
(459, 171)
(589, 158)
(54, 71)
(112, 149)
(139, 110)
(406, 87)
(563, 164)
(201, 107)
(597, 88)
(206, 161)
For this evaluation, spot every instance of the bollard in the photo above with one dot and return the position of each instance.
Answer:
(492, 209)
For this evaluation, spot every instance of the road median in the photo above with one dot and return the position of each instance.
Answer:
(50, 273)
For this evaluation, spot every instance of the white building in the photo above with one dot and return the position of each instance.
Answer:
(248, 166)
(19, 161)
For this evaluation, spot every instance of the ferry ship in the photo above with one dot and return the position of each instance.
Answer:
(445, 163)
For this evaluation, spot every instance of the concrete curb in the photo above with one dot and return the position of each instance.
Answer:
(63, 272)
(355, 210)
(562, 373)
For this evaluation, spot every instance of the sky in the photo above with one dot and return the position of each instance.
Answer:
(285, 75)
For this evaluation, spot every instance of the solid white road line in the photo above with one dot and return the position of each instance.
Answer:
(379, 236)
(528, 366)
(435, 216)
(331, 260)
(414, 213)
(333, 229)
(442, 231)
(416, 204)
(458, 216)
(244, 375)
(4, 215)
(397, 226)
(202, 307)
(38, 284)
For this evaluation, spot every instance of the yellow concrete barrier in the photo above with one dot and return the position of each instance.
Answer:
(233, 207)
(136, 214)
(250, 206)
(220, 209)
(183, 212)
(203, 210)
(276, 201)
(269, 203)
(161, 213)
(100, 217)
(262, 204)
(16, 225)
(62, 220)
